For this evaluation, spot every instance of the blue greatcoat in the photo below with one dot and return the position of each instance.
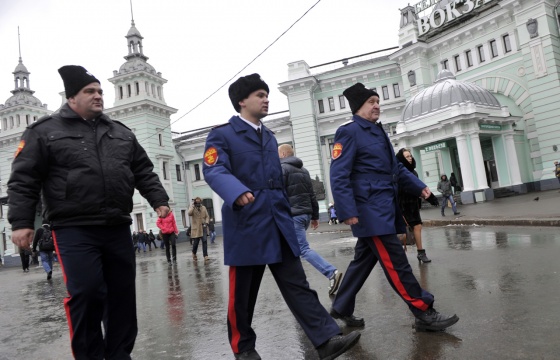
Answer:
(365, 176)
(236, 161)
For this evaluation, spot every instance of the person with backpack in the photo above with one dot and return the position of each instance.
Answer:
(151, 240)
(44, 240)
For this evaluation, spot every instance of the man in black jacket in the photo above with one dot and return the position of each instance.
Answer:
(86, 167)
(305, 210)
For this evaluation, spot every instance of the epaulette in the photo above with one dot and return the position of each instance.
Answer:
(219, 126)
(40, 120)
(348, 122)
(120, 123)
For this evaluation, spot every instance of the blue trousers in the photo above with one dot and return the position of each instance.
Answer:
(244, 283)
(301, 223)
(388, 251)
(99, 269)
(47, 260)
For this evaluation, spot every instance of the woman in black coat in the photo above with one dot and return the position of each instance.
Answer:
(410, 206)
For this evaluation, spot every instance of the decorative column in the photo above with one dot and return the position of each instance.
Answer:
(514, 173)
(464, 158)
(482, 182)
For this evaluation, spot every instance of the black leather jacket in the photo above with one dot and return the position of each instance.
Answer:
(86, 170)
(299, 188)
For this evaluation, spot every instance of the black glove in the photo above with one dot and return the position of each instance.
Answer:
(432, 199)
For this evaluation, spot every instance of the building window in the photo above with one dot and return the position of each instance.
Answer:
(445, 64)
(197, 171)
(331, 104)
(18, 122)
(342, 101)
(184, 217)
(507, 44)
(481, 58)
(139, 222)
(34, 118)
(120, 92)
(178, 171)
(160, 137)
(128, 90)
(165, 170)
(153, 90)
(321, 107)
(159, 92)
(147, 88)
(137, 87)
(385, 92)
(27, 119)
(493, 48)
(396, 90)
(11, 122)
(457, 63)
(468, 55)
(4, 124)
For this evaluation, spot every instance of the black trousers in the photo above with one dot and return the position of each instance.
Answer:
(388, 251)
(170, 240)
(204, 245)
(98, 264)
(24, 259)
(244, 283)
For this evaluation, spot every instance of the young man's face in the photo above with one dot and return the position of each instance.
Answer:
(370, 109)
(255, 105)
(88, 102)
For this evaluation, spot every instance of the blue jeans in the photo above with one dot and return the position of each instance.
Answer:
(47, 260)
(141, 245)
(212, 236)
(444, 203)
(301, 223)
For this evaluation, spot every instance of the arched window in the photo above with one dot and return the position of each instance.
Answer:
(11, 122)
(128, 90)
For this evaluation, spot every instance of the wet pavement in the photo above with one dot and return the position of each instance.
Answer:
(503, 283)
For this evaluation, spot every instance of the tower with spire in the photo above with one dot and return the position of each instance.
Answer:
(140, 105)
(18, 111)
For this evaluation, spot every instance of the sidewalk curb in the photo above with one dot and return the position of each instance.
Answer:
(496, 222)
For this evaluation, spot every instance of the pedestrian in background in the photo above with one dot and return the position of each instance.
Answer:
(169, 232)
(152, 240)
(410, 207)
(242, 166)
(332, 215)
(199, 220)
(24, 255)
(557, 170)
(305, 211)
(365, 179)
(45, 250)
(142, 240)
(212, 230)
(454, 183)
(86, 167)
(444, 187)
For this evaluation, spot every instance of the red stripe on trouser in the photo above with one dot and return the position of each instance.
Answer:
(235, 335)
(386, 259)
(66, 299)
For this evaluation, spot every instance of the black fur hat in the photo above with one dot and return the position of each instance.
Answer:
(75, 78)
(243, 87)
(357, 95)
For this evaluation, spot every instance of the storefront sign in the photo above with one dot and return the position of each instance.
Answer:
(490, 127)
(441, 16)
(435, 147)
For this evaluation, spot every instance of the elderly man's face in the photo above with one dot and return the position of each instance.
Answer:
(370, 109)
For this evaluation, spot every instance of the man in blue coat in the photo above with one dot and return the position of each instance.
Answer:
(365, 177)
(241, 164)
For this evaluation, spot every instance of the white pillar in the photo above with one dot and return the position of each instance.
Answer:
(464, 158)
(478, 161)
(513, 164)
(217, 202)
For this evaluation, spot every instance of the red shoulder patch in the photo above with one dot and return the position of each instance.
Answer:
(336, 151)
(19, 148)
(210, 156)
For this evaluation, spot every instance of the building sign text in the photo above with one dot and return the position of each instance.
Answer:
(441, 16)
(434, 147)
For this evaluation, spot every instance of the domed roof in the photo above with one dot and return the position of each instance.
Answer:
(133, 31)
(20, 67)
(23, 97)
(445, 92)
(136, 64)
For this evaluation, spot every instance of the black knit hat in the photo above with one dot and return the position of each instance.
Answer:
(357, 95)
(243, 87)
(75, 78)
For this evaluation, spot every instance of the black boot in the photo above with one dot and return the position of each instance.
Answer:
(431, 320)
(338, 345)
(422, 256)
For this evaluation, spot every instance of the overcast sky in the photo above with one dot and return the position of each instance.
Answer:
(196, 45)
